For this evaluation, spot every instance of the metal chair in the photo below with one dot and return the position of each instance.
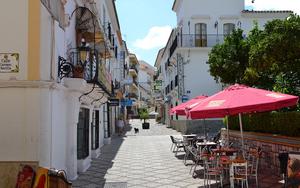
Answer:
(253, 159)
(212, 168)
(239, 172)
(176, 144)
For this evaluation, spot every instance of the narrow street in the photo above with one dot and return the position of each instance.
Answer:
(139, 160)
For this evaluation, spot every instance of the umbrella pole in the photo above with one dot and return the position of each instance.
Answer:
(242, 136)
(204, 129)
(227, 131)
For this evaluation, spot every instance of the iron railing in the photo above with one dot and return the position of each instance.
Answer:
(133, 95)
(197, 40)
(135, 82)
(85, 63)
(134, 67)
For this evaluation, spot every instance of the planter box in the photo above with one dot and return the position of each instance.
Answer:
(146, 125)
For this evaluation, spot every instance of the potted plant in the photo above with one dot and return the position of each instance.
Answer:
(78, 71)
(144, 115)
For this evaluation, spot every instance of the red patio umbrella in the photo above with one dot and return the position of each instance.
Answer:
(238, 99)
(181, 109)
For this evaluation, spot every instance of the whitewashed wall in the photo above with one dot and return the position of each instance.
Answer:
(14, 34)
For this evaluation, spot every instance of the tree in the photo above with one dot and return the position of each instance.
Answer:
(275, 56)
(228, 61)
(268, 59)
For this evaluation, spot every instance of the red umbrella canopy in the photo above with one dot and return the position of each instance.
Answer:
(241, 99)
(180, 109)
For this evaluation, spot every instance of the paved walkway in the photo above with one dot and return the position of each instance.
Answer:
(142, 160)
(139, 160)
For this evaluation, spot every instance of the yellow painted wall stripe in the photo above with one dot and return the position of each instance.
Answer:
(34, 10)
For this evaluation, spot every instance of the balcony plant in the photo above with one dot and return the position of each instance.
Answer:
(78, 71)
(144, 115)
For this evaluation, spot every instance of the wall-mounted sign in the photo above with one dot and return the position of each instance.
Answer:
(184, 98)
(157, 85)
(126, 102)
(9, 62)
(114, 102)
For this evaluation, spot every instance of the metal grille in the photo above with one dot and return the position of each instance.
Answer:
(83, 134)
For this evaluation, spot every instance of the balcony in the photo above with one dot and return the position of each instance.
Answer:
(135, 82)
(82, 63)
(133, 95)
(85, 63)
(133, 70)
(196, 40)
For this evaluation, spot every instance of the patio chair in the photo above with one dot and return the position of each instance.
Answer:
(253, 159)
(212, 168)
(197, 158)
(239, 172)
(176, 144)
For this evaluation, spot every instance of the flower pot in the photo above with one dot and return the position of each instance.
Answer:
(146, 125)
(78, 72)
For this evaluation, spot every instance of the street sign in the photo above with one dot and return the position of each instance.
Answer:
(184, 98)
(126, 102)
(157, 85)
(114, 102)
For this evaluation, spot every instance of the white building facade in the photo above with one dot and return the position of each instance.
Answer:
(201, 24)
(62, 61)
(145, 83)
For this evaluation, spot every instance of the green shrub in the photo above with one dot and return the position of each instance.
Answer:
(143, 114)
(283, 123)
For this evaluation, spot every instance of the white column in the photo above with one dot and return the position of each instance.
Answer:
(73, 106)
(76, 88)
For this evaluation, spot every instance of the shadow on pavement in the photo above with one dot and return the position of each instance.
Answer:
(95, 175)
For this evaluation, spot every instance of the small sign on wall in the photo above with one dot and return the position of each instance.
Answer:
(9, 62)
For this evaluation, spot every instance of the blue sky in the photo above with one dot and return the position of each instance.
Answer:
(146, 24)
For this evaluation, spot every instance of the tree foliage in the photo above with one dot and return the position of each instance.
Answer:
(229, 60)
(268, 58)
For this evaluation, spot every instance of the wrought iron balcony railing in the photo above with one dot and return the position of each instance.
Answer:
(84, 63)
(135, 82)
(133, 95)
(81, 63)
(134, 67)
(196, 40)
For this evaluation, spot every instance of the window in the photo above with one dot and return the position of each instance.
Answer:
(116, 52)
(200, 35)
(228, 28)
(171, 85)
(176, 80)
(83, 133)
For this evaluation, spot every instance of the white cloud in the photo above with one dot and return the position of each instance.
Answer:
(293, 5)
(157, 37)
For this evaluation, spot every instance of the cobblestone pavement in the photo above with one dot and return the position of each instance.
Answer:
(144, 160)
(140, 160)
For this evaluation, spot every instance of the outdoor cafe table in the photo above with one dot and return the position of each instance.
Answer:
(191, 138)
(189, 135)
(206, 144)
(227, 151)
